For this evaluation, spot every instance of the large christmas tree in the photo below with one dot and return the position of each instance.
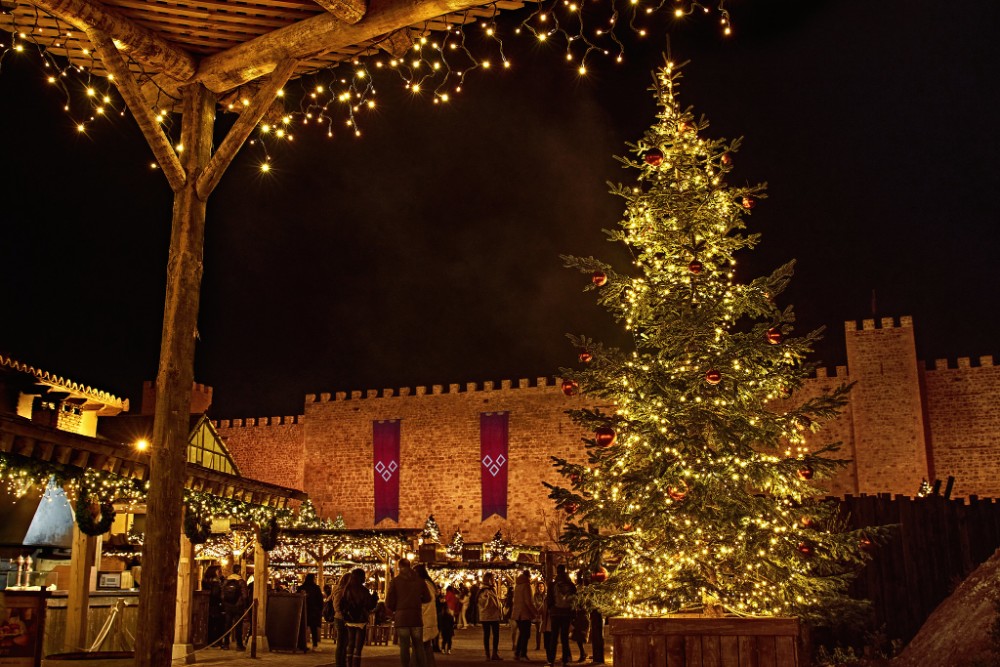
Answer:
(702, 479)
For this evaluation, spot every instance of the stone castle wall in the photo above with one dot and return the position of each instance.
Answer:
(270, 449)
(903, 424)
(964, 425)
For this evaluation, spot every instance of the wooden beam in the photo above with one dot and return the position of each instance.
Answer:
(138, 42)
(348, 11)
(242, 128)
(396, 44)
(174, 380)
(130, 92)
(234, 67)
(183, 649)
(78, 588)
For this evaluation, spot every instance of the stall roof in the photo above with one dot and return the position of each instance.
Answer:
(21, 437)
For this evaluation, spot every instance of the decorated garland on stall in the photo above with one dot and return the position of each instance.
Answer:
(267, 534)
(87, 512)
(197, 528)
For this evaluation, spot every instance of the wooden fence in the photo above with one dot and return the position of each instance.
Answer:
(938, 543)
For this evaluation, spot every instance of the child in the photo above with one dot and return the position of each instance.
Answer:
(446, 626)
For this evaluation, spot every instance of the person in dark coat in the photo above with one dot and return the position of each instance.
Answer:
(212, 582)
(314, 606)
(407, 593)
(234, 602)
(340, 656)
(356, 605)
(560, 598)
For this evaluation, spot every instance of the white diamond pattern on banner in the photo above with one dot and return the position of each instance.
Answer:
(493, 466)
(386, 471)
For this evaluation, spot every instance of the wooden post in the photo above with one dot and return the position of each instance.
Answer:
(167, 471)
(183, 644)
(261, 577)
(78, 600)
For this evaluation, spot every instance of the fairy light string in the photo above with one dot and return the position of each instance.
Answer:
(334, 100)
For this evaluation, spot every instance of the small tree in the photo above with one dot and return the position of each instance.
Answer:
(456, 545)
(702, 489)
(497, 549)
(432, 533)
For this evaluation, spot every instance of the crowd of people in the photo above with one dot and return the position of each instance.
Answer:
(425, 615)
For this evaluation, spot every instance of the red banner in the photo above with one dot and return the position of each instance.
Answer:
(385, 438)
(493, 463)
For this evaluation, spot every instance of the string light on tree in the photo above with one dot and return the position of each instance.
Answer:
(700, 504)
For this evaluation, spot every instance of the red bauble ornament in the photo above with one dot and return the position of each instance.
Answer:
(805, 472)
(695, 267)
(585, 357)
(575, 478)
(806, 549)
(570, 508)
(569, 387)
(654, 157)
(865, 543)
(605, 436)
(749, 203)
(803, 423)
(599, 575)
(808, 522)
(627, 527)
(678, 493)
(774, 336)
(599, 278)
(713, 377)
(727, 158)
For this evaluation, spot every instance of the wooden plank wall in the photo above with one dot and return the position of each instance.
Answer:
(681, 641)
(938, 543)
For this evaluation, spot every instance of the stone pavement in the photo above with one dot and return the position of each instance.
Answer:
(467, 651)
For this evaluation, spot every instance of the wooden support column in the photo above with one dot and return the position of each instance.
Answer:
(78, 587)
(167, 474)
(261, 577)
(186, 570)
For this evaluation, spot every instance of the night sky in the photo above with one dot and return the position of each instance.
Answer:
(427, 251)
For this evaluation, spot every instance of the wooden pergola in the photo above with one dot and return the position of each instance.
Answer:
(186, 56)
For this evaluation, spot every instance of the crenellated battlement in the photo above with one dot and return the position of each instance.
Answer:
(436, 390)
(960, 364)
(253, 422)
(905, 322)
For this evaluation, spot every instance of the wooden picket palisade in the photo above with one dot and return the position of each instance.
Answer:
(697, 641)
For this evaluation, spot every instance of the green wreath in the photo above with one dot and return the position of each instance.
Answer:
(267, 535)
(197, 528)
(86, 518)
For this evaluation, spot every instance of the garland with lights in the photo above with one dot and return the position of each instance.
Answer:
(87, 509)
(267, 534)
(197, 528)
(700, 481)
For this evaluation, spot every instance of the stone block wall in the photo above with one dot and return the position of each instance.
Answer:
(902, 424)
(886, 407)
(838, 430)
(269, 449)
(440, 464)
(965, 425)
